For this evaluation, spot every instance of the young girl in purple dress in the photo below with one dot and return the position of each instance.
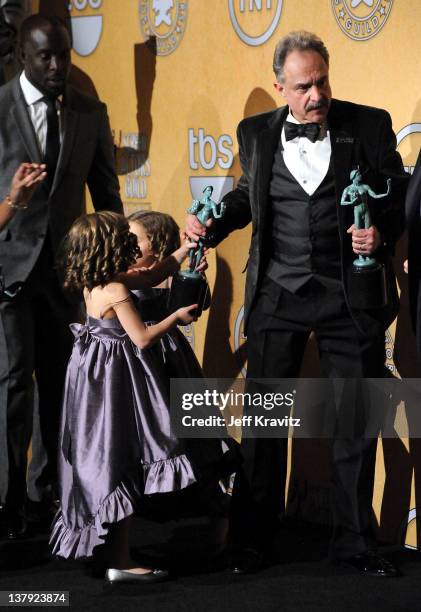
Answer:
(214, 460)
(116, 443)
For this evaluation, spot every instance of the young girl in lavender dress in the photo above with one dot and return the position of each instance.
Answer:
(214, 460)
(116, 443)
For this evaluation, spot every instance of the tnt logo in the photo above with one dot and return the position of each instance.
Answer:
(86, 29)
(207, 151)
(255, 21)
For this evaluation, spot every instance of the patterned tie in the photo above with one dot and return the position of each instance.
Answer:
(52, 146)
(308, 130)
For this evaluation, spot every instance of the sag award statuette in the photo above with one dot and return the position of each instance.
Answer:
(366, 279)
(190, 286)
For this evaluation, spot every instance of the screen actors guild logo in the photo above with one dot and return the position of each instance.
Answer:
(255, 21)
(164, 21)
(361, 19)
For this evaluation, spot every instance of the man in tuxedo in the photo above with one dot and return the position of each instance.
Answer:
(42, 120)
(296, 162)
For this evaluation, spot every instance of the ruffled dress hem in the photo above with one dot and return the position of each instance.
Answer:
(161, 476)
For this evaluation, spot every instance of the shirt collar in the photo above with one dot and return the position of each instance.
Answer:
(291, 118)
(31, 94)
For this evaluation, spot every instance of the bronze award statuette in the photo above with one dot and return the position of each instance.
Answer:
(366, 278)
(190, 286)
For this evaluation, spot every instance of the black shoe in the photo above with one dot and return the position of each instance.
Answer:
(15, 528)
(247, 561)
(116, 575)
(370, 563)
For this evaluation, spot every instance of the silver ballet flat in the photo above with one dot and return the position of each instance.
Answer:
(117, 575)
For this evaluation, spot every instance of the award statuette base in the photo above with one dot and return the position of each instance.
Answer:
(367, 286)
(187, 288)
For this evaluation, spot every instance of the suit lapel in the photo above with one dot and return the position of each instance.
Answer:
(343, 148)
(267, 144)
(24, 125)
(70, 121)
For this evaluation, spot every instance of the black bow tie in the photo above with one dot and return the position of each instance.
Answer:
(308, 130)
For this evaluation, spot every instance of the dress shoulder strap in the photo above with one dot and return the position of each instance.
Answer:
(112, 304)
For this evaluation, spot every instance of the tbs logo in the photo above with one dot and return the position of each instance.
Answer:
(207, 152)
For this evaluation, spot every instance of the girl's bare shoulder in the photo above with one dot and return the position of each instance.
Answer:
(109, 294)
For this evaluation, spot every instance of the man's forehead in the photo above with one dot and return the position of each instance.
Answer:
(48, 36)
(305, 59)
(306, 70)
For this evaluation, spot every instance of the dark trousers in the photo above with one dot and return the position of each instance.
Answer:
(34, 339)
(278, 330)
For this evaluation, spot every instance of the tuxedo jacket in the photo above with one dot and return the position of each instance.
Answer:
(86, 157)
(360, 136)
(413, 218)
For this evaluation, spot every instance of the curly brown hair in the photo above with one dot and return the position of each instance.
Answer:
(162, 231)
(97, 247)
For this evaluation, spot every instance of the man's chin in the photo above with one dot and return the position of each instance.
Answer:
(54, 89)
(319, 118)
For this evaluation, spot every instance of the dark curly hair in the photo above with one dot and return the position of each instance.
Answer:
(97, 247)
(162, 231)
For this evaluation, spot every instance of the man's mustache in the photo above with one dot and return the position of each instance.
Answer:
(316, 105)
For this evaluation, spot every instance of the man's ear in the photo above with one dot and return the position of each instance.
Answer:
(279, 88)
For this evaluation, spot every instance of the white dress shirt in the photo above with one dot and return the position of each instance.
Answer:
(307, 161)
(37, 109)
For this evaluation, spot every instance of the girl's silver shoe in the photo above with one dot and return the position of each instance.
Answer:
(117, 575)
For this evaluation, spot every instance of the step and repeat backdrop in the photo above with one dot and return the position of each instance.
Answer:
(178, 76)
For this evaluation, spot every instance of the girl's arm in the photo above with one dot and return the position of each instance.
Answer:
(139, 279)
(140, 334)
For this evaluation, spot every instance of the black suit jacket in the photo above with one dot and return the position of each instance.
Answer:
(360, 135)
(86, 157)
(413, 204)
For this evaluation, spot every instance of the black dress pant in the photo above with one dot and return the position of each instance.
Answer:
(279, 327)
(34, 339)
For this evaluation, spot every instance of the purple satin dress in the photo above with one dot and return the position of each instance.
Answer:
(209, 456)
(116, 443)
